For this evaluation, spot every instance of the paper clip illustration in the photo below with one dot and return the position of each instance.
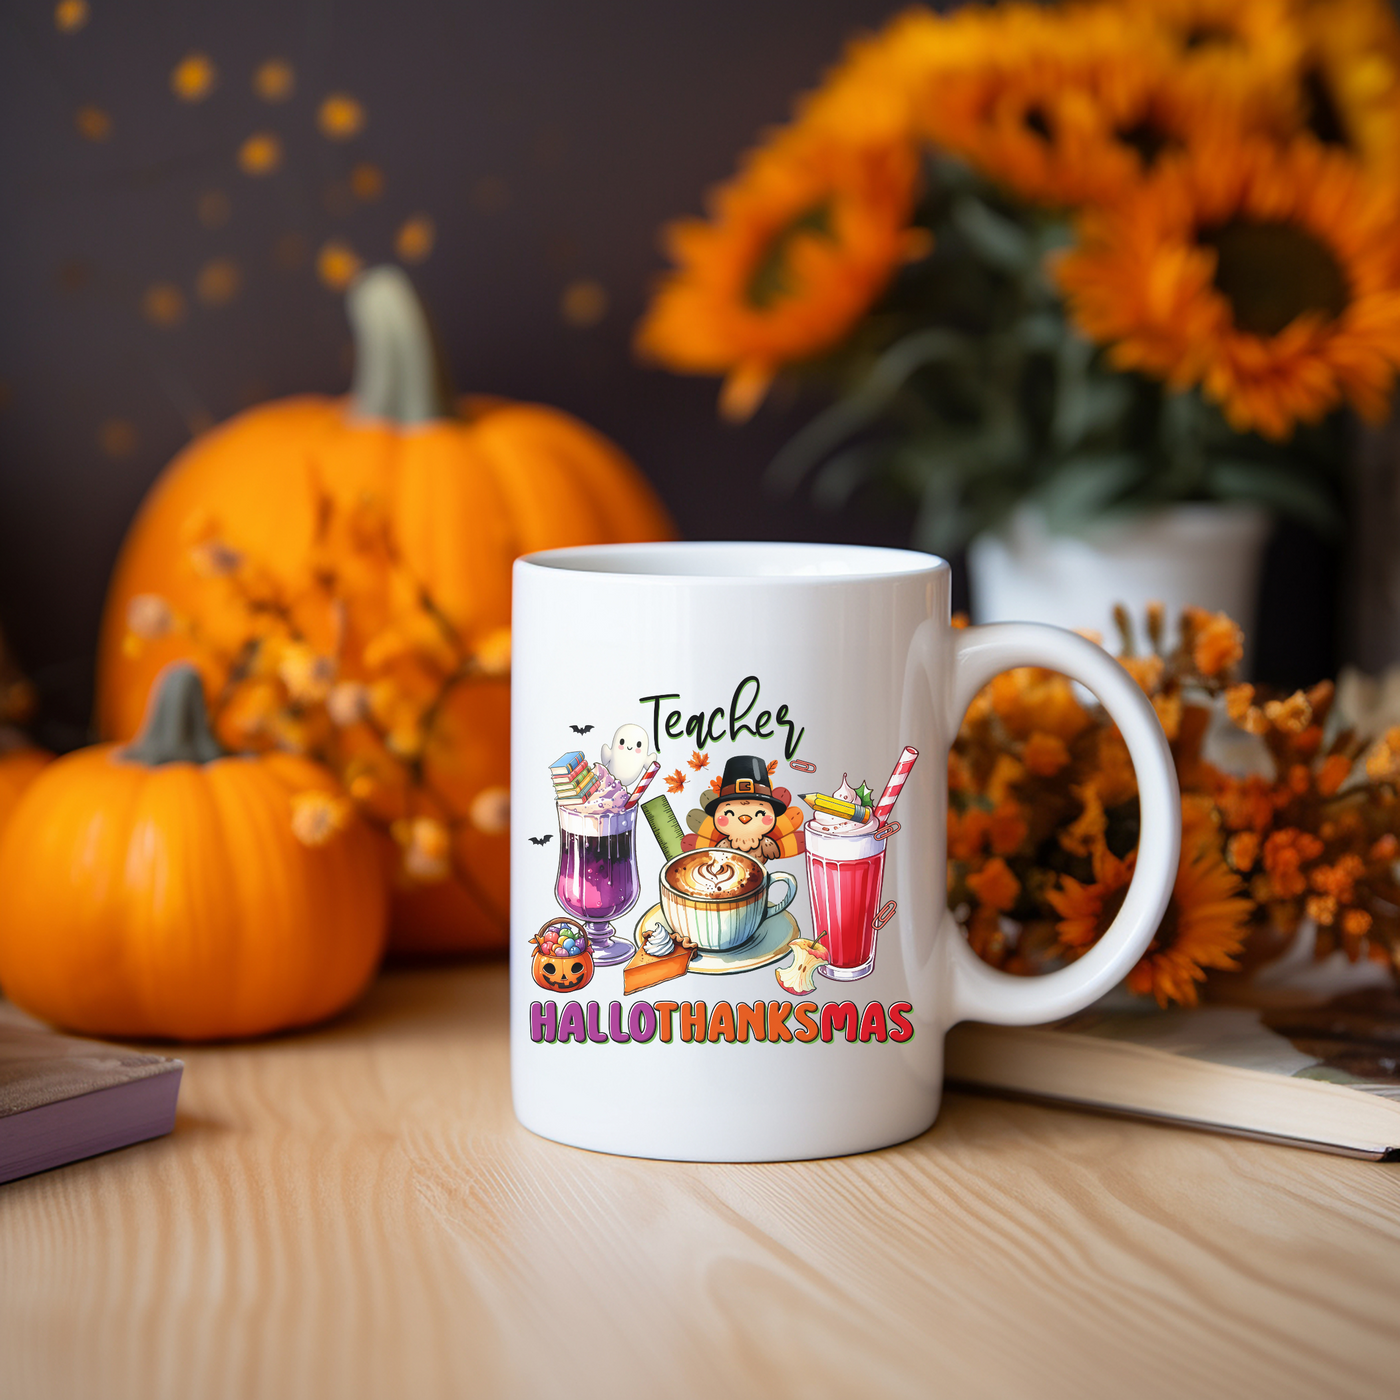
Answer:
(800, 765)
(886, 913)
(885, 832)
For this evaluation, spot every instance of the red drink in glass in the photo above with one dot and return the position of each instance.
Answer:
(844, 874)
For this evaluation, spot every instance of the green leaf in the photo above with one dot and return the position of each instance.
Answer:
(841, 475)
(1279, 487)
(1085, 486)
(859, 409)
(994, 239)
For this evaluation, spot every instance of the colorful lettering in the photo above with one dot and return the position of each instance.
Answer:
(722, 1022)
(802, 1014)
(872, 1023)
(664, 1011)
(641, 1024)
(595, 1032)
(693, 1021)
(615, 1031)
(900, 1026)
(544, 1020)
(750, 1019)
(571, 1025)
(778, 1012)
(840, 1016)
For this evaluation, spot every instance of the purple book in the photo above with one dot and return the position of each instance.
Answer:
(62, 1099)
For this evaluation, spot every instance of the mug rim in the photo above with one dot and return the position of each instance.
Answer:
(707, 901)
(738, 561)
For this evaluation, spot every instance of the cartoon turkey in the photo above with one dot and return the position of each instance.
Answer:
(747, 814)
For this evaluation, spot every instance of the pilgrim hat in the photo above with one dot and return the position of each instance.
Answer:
(744, 777)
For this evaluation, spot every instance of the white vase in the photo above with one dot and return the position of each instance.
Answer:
(1201, 555)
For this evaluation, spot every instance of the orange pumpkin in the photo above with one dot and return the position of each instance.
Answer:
(166, 890)
(18, 768)
(466, 487)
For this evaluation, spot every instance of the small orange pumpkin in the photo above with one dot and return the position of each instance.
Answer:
(162, 890)
(468, 487)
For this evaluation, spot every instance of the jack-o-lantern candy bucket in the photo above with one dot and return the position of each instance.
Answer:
(563, 961)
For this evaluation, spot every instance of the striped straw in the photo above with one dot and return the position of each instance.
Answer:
(653, 768)
(890, 796)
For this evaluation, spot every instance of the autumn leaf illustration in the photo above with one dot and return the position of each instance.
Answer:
(716, 782)
(675, 782)
(698, 760)
(772, 767)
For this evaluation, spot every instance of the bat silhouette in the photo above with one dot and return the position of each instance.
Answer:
(541, 840)
(580, 728)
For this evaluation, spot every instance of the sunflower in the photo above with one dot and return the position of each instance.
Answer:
(1072, 106)
(1204, 924)
(1267, 275)
(1348, 88)
(796, 249)
(1253, 43)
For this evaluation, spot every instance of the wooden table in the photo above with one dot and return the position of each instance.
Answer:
(355, 1212)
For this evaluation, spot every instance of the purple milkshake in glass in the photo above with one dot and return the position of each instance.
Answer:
(598, 866)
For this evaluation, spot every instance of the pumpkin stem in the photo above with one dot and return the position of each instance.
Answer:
(399, 371)
(176, 728)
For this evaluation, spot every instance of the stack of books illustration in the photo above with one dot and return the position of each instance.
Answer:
(574, 779)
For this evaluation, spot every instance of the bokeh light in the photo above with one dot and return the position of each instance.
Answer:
(163, 304)
(93, 123)
(275, 80)
(340, 117)
(218, 282)
(260, 154)
(415, 238)
(194, 77)
(69, 16)
(337, 264)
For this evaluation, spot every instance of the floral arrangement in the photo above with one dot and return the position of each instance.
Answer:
(1290, 812)
(1103, 254)
(352, 664)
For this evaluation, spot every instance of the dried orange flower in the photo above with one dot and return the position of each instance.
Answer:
(1218, 641)
(1044, 754)
(318, 816)
(995, 885)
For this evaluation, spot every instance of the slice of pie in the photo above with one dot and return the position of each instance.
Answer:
(647, 969)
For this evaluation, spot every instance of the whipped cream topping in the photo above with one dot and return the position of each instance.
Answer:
(609, 796)
(659, 941)
(829, 824)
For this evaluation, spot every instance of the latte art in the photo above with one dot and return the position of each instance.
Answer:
(715, 874)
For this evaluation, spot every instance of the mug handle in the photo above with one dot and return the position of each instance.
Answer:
(980, 992)
(790, 881)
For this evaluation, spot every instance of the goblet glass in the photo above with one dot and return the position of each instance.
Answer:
(598, 876)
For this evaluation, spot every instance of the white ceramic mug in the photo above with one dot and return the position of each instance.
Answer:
(718, 922)
(726, 679)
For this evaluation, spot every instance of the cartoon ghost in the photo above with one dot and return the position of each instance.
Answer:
(626, 758)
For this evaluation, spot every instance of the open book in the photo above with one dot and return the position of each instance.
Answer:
(1306, 1054)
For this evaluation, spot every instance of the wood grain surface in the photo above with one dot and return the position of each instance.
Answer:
(355, 1212)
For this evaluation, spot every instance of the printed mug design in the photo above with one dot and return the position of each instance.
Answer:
(721, 902)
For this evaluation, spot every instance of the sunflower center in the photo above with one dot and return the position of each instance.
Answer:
(772, 276)
(1209, 36)
(1325, 119)
(1147, 139)
(1037, 119)
(1272, 273)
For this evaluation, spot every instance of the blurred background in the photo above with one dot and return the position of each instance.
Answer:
(187, 187)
